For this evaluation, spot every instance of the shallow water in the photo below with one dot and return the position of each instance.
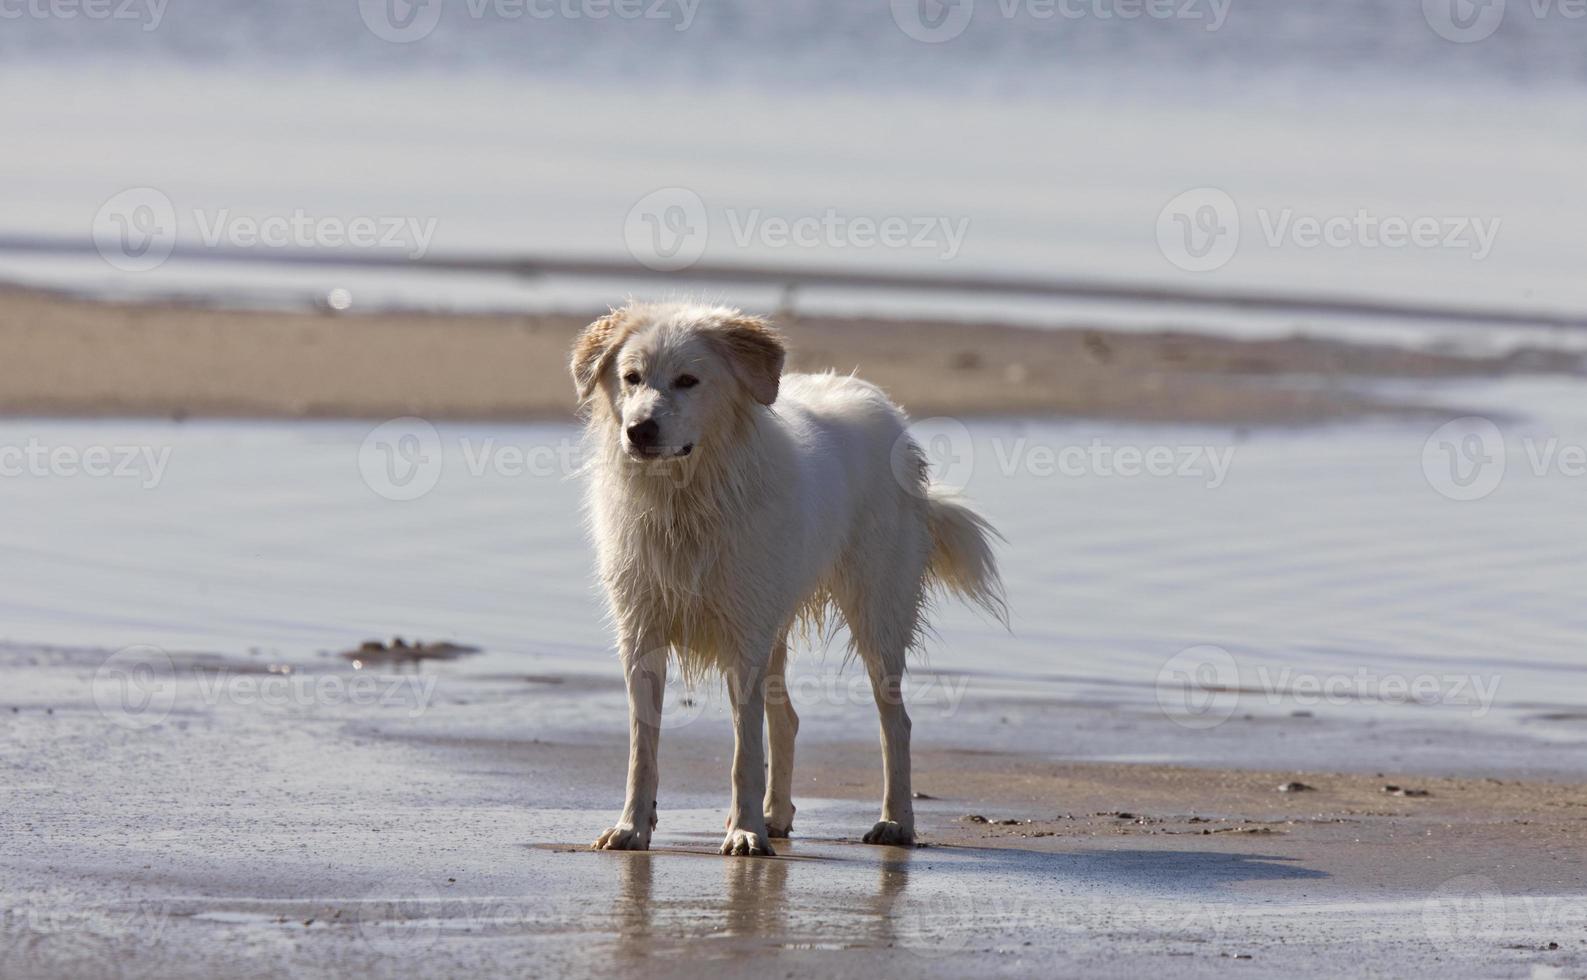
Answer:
(1320, 572)
(1048, 145)
(367, 870)
(223, 840)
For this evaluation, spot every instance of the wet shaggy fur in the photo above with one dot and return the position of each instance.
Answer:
(732, 505)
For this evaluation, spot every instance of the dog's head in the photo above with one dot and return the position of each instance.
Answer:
(669, 377)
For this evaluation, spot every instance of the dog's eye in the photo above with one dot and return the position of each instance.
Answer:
(686, 381)
(631, 378)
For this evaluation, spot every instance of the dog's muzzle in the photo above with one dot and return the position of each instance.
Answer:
(642, 438)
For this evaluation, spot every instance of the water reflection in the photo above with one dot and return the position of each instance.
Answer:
(633, 914)
(757, 898)
(931, 902)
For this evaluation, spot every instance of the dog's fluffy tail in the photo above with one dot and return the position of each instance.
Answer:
(961, 553)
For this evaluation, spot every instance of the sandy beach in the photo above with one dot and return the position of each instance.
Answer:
(264, 807)
(1258, 331)
(68, 356)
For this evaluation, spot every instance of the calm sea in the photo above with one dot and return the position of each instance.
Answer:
(1414, 152)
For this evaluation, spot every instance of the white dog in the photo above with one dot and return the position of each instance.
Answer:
(731, 503)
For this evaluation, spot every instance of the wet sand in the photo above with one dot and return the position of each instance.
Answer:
(69, 356)
(443, 830)
(196, 835)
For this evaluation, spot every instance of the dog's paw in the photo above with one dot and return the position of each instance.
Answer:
(780, 825)
(622, 838)
(747, 843)
(891, 832)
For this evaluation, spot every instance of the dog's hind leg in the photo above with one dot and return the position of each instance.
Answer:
(882, 611)
(782, 726)
(897, 825)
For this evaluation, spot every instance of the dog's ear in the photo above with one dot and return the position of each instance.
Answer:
(756, 352)
(592, 352)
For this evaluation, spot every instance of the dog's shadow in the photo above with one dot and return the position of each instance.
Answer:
(1185, 872)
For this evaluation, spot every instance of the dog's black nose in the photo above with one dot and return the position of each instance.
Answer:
(643, 435)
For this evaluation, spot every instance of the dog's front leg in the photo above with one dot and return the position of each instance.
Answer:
(645, 668)
(746, 688)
